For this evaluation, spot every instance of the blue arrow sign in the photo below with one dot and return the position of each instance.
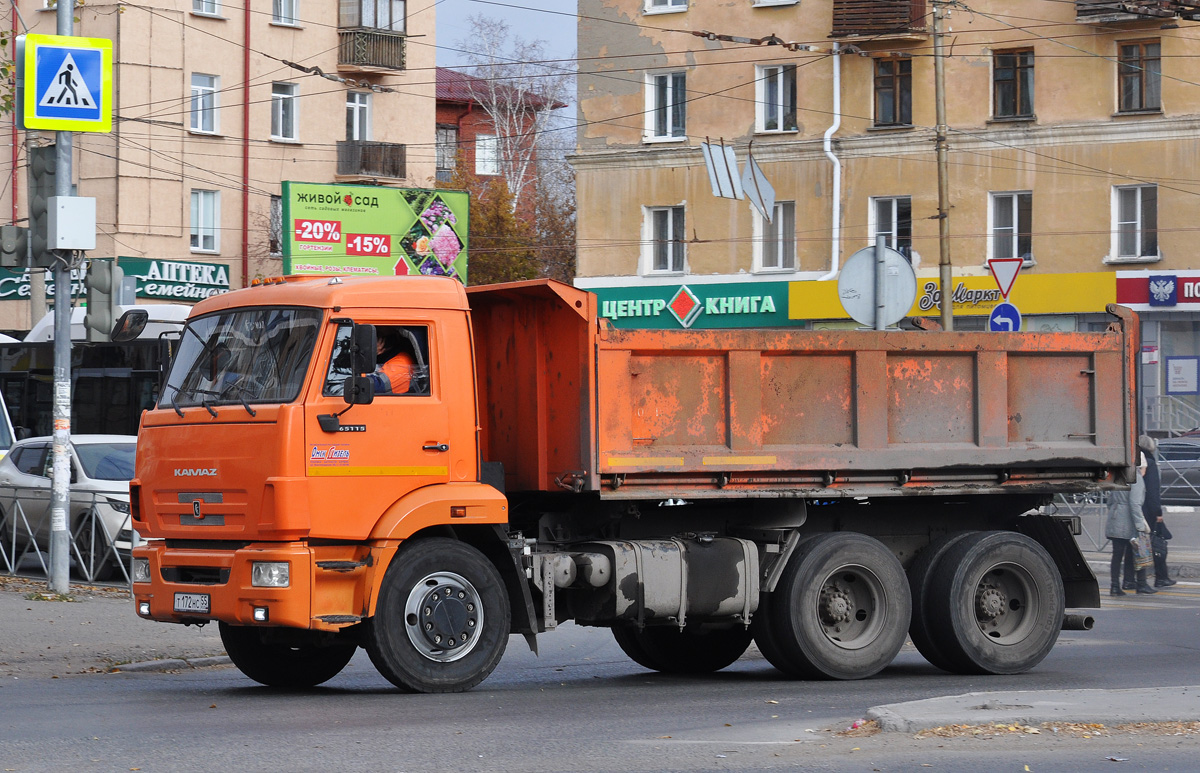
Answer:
(1005, 318)
(68, 83)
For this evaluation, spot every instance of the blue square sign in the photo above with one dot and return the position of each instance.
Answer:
(68, 83)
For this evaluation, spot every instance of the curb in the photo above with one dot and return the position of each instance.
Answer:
(171, 664)
(1111, 707)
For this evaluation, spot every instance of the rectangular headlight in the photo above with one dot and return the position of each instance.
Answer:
(269, 574)
(141, 570)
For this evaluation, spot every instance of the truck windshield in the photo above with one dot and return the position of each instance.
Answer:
(257, 355)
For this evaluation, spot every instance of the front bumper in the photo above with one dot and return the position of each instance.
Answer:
(224, 576)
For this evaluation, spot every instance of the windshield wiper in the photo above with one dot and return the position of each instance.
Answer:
(205, 405)
(174, 404)
(241, 395)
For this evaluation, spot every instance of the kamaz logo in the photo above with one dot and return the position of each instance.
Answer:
(195, 472)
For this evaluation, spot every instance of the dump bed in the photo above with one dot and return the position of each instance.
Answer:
(569, 402)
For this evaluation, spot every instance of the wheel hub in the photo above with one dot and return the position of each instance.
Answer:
(990, 603)
(443, 616)
(836, 606)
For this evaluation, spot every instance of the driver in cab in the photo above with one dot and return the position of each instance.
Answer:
(393, 364)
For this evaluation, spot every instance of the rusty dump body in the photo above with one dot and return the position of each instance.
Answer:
(569, 402)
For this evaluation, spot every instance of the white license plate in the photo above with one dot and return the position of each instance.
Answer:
(191, 602)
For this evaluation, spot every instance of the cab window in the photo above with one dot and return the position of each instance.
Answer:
(402, 364)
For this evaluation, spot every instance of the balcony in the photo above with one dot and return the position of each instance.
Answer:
(370, 159)
(1118, 11)
(370, 49)
(881, 19)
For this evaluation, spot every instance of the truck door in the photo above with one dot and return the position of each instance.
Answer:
(381, 451)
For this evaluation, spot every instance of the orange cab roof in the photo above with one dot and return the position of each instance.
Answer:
(429, 292)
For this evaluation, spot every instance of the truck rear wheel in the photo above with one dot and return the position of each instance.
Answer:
(840, 611)
(925, 627)
(276, 664)
(1002, 597)
(442, 620)
(688, 651)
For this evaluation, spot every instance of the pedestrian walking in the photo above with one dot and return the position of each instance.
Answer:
(1153, 512)
(1124, 523)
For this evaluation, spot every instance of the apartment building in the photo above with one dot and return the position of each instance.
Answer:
(1073, 145)
(215, 105)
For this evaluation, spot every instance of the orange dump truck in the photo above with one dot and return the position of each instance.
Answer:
(822, 494)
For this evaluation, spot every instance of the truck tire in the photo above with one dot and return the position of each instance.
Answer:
(689, 651)
(925, 629)
(841, 609)
(283, 665)
(1003, 600)
(442, 620)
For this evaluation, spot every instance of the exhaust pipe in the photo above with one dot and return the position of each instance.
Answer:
(1078, 622)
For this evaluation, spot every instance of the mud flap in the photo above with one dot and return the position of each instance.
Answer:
(1079, 582)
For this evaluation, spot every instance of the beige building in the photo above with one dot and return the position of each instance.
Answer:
(1073, 142)
(214, 106)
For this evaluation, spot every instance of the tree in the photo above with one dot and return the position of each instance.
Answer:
(500, 245)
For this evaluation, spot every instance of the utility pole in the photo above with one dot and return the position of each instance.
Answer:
(939, 80)
(60, 499)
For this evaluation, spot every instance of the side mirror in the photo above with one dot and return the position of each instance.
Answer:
(358, 390)
(129, 326)
(362, 351)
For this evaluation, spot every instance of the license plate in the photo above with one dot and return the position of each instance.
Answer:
(191, 602)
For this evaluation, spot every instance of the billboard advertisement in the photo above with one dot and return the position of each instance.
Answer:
(372, 230)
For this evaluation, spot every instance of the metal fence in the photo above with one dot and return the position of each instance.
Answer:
(94, 554)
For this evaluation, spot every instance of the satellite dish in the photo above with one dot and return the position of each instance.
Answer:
(857, 282)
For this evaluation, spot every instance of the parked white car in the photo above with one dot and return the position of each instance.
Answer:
(101, 466)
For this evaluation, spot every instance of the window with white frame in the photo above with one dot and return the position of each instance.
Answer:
(447, 151)
(776, 103)
(664, 240)
(283, 111)
(358, 115)
(666, 112)
(374, 14)
(892, 217)
(204, 103)
(276, 226)
(206, 7)
(487, 154)
(663, 6)
(1010, 226)
(1135, 212)
(775, 242)
(284, 12)
(205, 216)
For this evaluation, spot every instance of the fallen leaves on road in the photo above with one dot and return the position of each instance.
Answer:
(1076, 729)
(860, 729)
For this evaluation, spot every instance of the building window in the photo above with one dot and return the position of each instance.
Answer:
(893, 92)
(776, 240)
(205, 216)
(447, 152)
(1011, 221)
(204, 103)
(665, 238)
(374, 14)
(284, 12)
(666, 95)
(1135, 209)
(776, 86)
(275, 237)
(661, 6)
(893, 218)
(1012, 84)
(487, 154)
(283, 111)
(206, 7)
(358, 115)
(1140, 74)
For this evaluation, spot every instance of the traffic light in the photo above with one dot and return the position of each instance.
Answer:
(13, 241)
(43, 166)
(103, 286)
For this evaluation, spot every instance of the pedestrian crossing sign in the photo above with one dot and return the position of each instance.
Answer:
(68, 83)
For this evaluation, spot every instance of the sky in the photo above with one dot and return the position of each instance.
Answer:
(551, 21)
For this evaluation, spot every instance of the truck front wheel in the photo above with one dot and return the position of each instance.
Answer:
(1002, 601)
(278, 664)
(840, 611)
(442, 620)
(691, 650)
